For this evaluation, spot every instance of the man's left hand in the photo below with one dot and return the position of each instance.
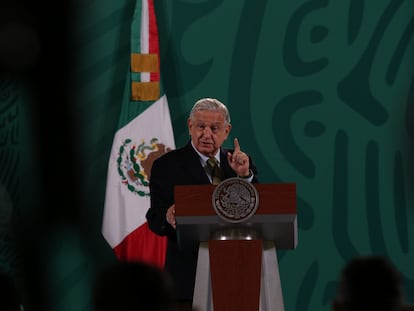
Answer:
(238, 160)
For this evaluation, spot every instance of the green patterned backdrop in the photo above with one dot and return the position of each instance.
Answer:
(319, 92)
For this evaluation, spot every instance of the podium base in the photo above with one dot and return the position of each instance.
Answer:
(271, 298)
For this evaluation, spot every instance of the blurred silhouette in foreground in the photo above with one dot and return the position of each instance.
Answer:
(370, 283)
(9, 293)
(132, 286)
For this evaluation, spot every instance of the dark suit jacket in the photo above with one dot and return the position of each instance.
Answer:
(179, 167)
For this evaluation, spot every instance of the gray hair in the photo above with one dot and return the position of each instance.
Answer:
(211, 104)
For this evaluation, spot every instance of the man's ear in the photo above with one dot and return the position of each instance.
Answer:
(189, 125)
(228, 129)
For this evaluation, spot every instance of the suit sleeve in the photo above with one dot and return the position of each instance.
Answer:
(162, 197)
(254, 170)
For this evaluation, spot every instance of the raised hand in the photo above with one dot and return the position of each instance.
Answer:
(238, 160)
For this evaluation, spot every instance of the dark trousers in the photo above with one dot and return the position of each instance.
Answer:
(184, 305)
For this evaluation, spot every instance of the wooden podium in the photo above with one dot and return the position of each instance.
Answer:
(237, 266)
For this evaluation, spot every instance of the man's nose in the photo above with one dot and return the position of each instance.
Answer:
(207, 131)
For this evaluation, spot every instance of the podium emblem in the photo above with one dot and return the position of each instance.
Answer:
(235, 200)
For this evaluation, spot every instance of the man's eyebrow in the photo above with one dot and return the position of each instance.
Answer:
(213, 123)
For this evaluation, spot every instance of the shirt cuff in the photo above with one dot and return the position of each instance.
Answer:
(249, 177)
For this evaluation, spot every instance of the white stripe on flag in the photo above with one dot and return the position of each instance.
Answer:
(145, 76)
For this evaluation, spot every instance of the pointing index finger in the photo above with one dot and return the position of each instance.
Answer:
(236, 145)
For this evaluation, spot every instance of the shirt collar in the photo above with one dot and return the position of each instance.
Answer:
(205, 158)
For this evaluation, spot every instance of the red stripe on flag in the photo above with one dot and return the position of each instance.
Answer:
(153, 38)
(142, 245)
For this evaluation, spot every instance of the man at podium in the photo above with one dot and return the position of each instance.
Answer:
(202, 160)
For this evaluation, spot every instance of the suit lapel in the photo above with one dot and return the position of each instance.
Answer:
(192, 166)
(228, 171)
(189, 164)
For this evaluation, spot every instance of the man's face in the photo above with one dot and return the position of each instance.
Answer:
(208, 131)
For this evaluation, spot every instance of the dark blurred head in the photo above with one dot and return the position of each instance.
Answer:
(9, 293)
(132, 286)
(369, 283)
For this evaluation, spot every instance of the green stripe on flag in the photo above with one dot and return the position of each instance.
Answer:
(136, 28)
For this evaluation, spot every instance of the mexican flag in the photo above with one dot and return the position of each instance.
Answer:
(145, 132)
